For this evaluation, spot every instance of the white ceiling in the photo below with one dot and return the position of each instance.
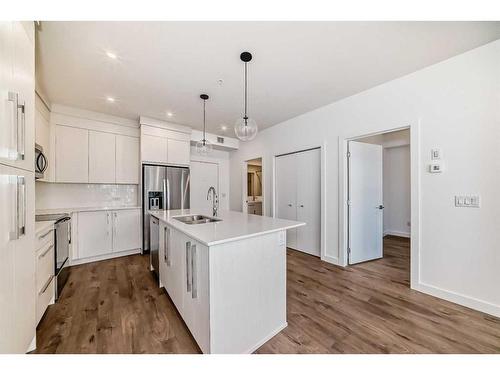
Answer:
(297, 66)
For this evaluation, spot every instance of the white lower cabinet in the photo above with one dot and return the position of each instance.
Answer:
(44, 271)
(101, 233)
(184, 274)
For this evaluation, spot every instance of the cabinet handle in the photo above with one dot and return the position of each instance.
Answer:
(44, 235)
(167, 246)
(22, 129)
(20, 204)
(45, 252)
(46, 285)
(188, 265)
(194, 273)
(302, 206)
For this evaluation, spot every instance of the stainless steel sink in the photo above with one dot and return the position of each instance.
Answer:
(196, 219)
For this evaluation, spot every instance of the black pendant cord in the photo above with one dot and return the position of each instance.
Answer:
(246, 99)
(204, 139)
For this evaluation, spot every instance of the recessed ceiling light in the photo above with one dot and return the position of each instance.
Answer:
(170, 114)
(223, 128)
(111, 55)
(110, 99)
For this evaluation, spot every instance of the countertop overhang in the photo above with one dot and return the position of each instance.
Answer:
(233, 227)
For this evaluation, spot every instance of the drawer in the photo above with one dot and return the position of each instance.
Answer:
(44, 265)
(44, 237)
(45, 297)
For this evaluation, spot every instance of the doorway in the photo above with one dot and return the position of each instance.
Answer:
(379, 199)
(252, 188)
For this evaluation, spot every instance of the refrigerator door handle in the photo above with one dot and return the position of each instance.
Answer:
(165, 206)
(168, 194)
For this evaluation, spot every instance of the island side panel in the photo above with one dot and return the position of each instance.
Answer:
(247, 292)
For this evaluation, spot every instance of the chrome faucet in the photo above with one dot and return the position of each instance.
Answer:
(215, 200)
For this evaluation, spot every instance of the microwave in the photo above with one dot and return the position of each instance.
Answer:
(41, 162)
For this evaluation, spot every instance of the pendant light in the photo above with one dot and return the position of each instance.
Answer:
(203, 147)
(245, 128)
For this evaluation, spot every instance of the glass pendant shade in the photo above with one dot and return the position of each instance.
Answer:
(203, 147)
(245, 129)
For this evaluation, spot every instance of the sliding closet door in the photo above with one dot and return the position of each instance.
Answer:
(286, 194)
(308, 164)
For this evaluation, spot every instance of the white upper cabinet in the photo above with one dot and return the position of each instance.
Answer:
(154, 149)
(101, 157)
(127, 160)
(42, 132)
(179, 152)
(72, 153)
(17, 95)
(164, 143)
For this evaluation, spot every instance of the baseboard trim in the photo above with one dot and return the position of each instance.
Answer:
(32, 345)
(396, 233)
(76, 262)
(267, 338)
(460, 299)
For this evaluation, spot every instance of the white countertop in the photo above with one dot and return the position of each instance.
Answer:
(69, 210)
(234, 225)
(41, 226)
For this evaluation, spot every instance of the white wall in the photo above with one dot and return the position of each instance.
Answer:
(49, 195)
(456, 103)
(222, 159)
(397, 213)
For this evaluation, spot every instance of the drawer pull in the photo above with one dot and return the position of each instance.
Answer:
(45, 252)
(45, 235)
(46, 285)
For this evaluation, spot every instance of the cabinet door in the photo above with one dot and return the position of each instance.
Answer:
(199, 302)
(94, 234)
(127, 160)
(126, 230)
(72, 150)
(17, 96)
(17, 259)
(154, 149)
(175, 281)
(179, 152)
(101, 157)
(162, 255)
(286, 194)
(42, 133)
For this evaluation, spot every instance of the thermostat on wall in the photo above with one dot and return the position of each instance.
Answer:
(435, 168)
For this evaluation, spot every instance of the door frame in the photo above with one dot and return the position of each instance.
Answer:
(244, 185)
(322, 150)
(415, 174)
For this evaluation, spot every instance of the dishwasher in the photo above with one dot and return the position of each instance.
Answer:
(154, 231)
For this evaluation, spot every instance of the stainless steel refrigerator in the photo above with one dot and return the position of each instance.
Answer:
(163, 188)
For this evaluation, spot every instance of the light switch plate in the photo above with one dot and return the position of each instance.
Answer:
(436, 154)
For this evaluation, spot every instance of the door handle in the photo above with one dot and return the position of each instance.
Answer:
(380, 207)
(289, 205)
(21, 139)
(194, 273)
(301, 206)
(188, 264)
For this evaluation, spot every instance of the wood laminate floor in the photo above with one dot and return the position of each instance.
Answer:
(115, 306)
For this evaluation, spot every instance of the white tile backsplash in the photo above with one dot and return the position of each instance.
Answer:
(49, 195)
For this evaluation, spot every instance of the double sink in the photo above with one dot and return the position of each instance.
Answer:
(196, 219)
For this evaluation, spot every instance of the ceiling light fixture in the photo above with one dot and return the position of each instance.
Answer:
(111, 55)
(170, 114)
(204, 147)
(110, 99)
(223, 128)
(245, 128)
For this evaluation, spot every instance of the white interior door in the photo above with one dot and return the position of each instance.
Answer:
(286, 194)
(202, 176)
(308, 165)
(365, 202)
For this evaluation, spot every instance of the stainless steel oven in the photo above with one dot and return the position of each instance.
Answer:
(41, 162)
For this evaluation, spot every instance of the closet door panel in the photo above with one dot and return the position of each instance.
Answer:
(286, 194)
(309, 201)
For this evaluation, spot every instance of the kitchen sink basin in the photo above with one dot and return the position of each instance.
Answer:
(196, 219)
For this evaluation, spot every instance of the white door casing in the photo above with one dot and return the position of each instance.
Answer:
(365, 188)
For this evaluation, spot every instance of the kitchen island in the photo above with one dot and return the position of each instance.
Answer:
(227, 278)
